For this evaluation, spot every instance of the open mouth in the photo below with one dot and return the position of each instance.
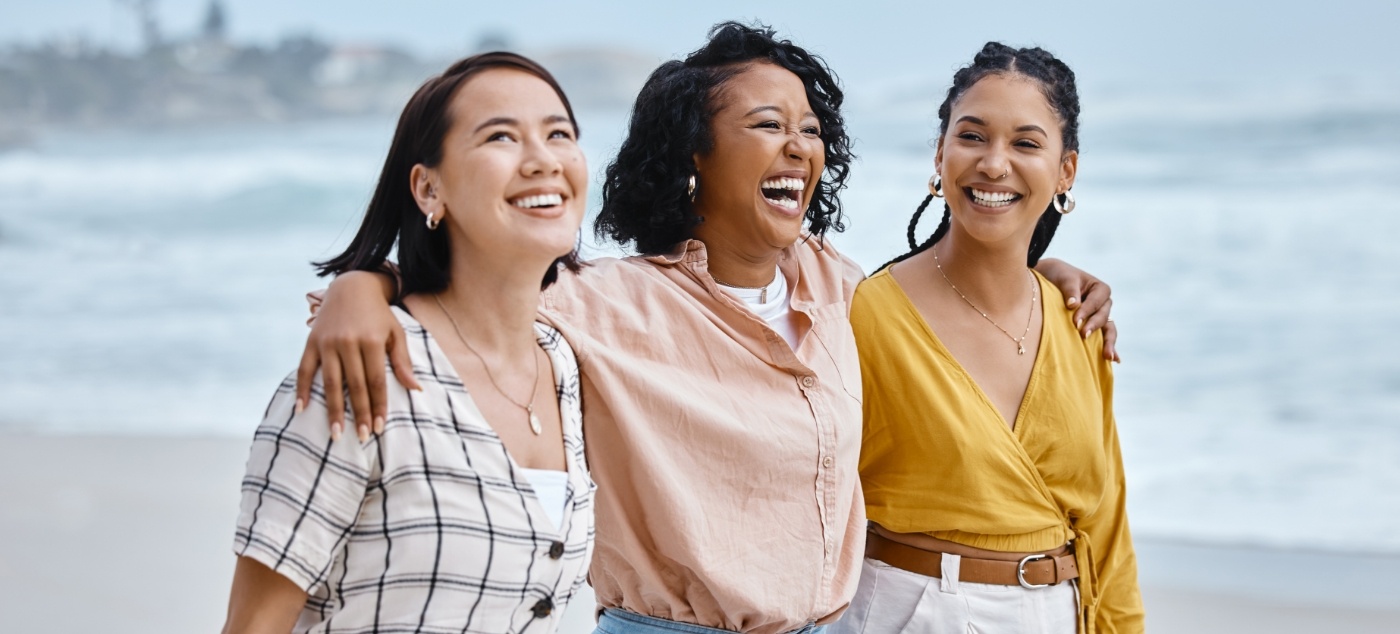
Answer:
(783, 192)
(992, 199)
(538, 201)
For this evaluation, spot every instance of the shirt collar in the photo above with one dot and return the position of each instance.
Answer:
(693, 250)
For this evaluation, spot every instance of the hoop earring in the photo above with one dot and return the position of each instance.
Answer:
(432, 223)
(690, 188)
(935, 186)
(1063, 207)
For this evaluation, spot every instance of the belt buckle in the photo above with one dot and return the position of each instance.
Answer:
(1021, 572)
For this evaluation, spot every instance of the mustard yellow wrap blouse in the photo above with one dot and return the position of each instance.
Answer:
(939, 459)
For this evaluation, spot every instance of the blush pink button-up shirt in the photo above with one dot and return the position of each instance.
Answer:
(726, 461)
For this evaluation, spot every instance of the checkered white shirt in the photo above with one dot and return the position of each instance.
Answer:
(429, 527)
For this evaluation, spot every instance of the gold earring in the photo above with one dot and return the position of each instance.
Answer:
(433, 223)
(935, 186)
(690, 188)
(1063, 207)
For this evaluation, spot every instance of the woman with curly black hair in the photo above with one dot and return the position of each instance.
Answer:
(991, 466)
(719, 371)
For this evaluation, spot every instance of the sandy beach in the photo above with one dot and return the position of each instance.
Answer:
(132, 534)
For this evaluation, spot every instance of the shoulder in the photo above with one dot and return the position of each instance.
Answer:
(875, 293)
(599, 277)
(819, 256)
(1059, 320)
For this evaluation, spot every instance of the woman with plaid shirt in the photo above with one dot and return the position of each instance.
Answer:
(472, 508)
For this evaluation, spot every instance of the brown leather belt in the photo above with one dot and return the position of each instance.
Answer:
(1034, 571)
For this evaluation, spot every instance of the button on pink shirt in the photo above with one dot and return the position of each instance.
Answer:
(726, 461)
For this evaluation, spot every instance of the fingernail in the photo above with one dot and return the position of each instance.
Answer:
(299, 407)
(1079, 323)
(1072, 302)
(378, 424)
(364, 433)
(336, 429)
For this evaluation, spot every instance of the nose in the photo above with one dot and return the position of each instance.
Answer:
(994, 163)
(800, 146)
(539, 160)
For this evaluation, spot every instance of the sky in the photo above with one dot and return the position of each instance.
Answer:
(863, 40)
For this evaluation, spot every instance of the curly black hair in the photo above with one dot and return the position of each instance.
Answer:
(645, 201)
(1056, 83)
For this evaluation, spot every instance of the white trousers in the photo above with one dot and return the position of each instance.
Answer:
(892, 600)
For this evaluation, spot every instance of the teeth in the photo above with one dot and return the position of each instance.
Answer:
(782, 202)
(542, 200)
(994, 199)
(784, 183)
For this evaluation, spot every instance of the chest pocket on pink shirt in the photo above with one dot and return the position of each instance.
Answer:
(832, 327)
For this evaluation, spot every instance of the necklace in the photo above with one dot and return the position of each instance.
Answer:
(1020, 343)
(529, 406)
(763, 290)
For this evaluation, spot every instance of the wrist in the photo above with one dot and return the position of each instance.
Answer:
(367, 282)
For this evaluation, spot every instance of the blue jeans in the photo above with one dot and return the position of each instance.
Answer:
(615, 621)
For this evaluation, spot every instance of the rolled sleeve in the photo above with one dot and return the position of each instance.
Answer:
(301, 492)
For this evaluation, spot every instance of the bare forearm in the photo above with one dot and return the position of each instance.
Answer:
(262, 601)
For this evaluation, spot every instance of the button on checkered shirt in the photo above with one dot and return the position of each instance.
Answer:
(429, 527)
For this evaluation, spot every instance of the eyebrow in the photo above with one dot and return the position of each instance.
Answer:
(759, 109)
(556, 118)
(1024, 128)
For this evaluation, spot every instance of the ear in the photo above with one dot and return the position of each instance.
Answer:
(1069, 166)
(427, 190)
(938, 157)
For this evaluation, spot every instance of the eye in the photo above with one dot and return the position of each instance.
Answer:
(770, 125)
(970, 136)
(499, 136)
(562, 133)
(1027, 143)
(812, 130)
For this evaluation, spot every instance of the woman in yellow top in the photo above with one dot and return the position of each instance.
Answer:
(990, 464)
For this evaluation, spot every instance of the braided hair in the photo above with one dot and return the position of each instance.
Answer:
(1056, 81)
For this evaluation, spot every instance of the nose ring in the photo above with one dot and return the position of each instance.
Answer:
(1003, 175)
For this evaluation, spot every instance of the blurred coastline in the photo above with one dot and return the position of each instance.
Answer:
(204, 78)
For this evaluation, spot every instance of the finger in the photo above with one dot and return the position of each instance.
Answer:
(1097, 320)
(331, 382)
(398, 357)
(354, 369)
(1072, 294)
(375, 381)
(1095, 297)
(1110, 341)
(306, 373)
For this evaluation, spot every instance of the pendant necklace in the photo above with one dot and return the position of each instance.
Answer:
(762, 290)
(528, 406)
(1020, 343)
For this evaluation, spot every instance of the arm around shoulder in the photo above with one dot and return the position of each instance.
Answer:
(352, 333)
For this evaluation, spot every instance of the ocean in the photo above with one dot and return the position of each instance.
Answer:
(152, 283)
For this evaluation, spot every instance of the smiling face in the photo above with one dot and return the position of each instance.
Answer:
(1002, 158)
(756, 181)
(512, 181)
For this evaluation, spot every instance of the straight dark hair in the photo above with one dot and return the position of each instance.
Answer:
(393, 215)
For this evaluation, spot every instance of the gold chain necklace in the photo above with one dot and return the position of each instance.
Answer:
(1020, 343)
(529, 407)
